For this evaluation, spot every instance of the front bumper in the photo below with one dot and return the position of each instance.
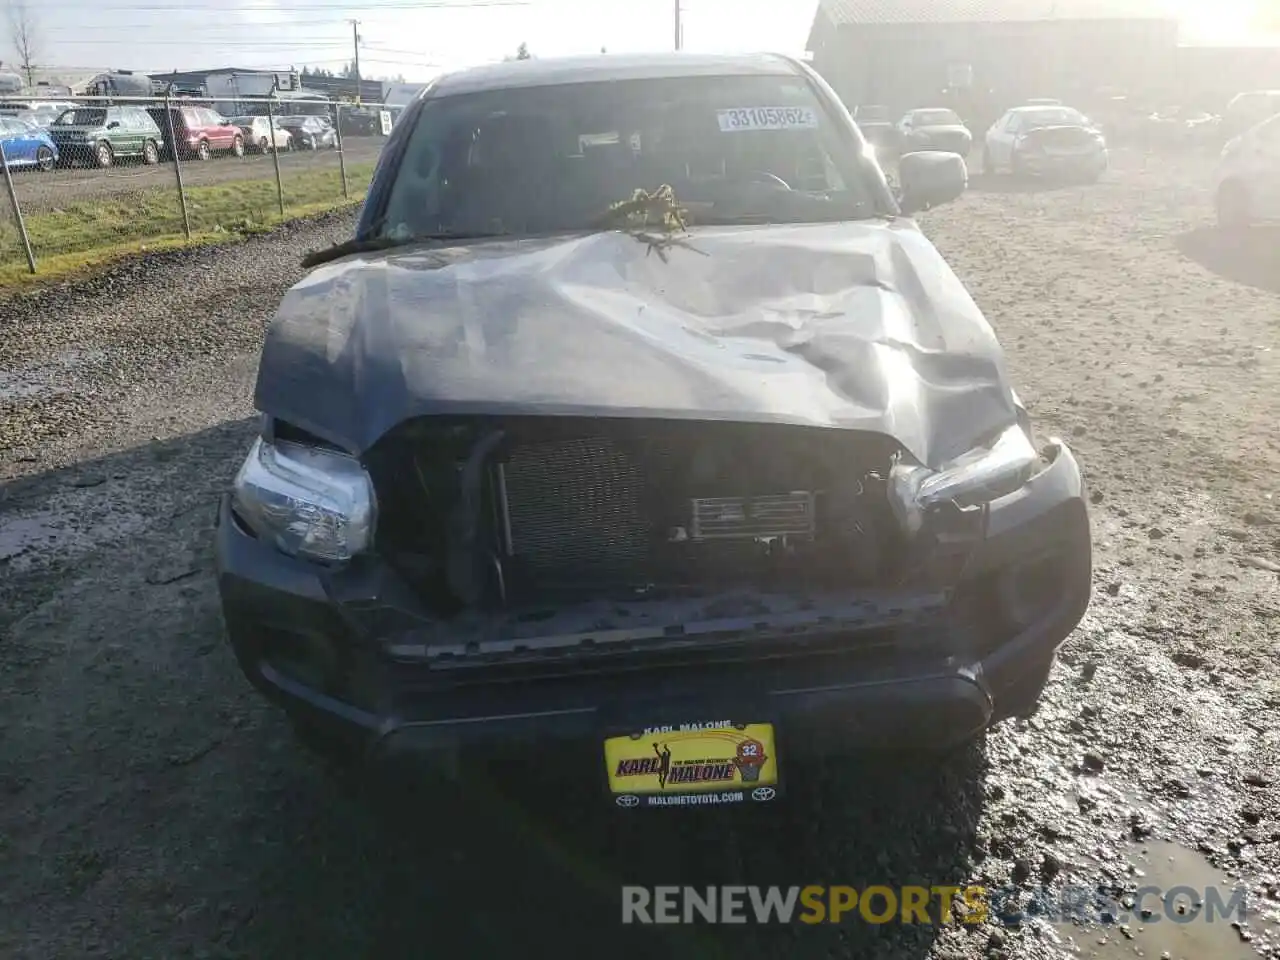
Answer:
(74, 150)
(1043, 164)
(944, 142)
(329, 647)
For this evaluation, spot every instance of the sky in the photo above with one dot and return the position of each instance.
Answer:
(419, 38)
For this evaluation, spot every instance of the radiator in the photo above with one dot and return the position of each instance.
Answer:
(586, 511)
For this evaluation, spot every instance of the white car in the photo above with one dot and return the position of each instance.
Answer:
(1247, 187)
(263, 133)
(43, 112)
(1250, 108)
(1043, 141)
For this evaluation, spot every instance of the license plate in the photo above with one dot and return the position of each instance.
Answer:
(705, 764)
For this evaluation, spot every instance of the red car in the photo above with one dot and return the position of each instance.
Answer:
(199, 131)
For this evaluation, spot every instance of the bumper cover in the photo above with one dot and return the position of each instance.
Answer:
(938, 682)
(1047, 164)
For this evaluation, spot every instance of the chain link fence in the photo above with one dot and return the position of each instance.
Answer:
(119, 175)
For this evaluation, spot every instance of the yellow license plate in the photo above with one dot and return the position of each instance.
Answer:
(693, 765)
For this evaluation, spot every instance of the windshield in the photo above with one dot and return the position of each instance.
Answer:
(935, 118)
(82, 118)
(1052, 117)
(553, 158)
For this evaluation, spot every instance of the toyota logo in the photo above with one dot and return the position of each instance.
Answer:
(628, 800)
(761, 793)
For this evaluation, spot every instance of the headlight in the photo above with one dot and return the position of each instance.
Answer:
(308, 502)
(978, 476)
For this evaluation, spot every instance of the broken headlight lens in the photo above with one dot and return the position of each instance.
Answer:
(308, 502)
(979, 476)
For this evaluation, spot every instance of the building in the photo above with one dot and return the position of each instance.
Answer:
(988, 54)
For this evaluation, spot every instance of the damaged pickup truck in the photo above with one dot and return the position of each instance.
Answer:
(686, 495)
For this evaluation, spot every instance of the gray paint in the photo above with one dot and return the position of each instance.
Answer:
(857, 326)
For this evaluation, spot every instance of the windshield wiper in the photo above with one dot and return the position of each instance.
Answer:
(370, 245)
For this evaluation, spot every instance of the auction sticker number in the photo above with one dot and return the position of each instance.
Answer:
(767, 118)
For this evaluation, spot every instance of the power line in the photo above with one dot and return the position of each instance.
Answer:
(237, 28)
(143, 41)
(315, 5)
(313, 62)
(408, 53)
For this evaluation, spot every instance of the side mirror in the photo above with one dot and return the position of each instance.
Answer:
(113, 124)
(930, 178)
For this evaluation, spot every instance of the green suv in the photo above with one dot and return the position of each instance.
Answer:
(101, 135)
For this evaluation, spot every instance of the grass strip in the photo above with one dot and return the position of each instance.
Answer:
(87, 234)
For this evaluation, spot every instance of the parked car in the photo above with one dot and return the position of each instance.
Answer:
(43, 114)
(1045, 141)
(1181, 127)
(200, 131)
(102, 135)
(260, 134)
(1249, 109)
(519, 479)
(311, 133)
(1247, 181)
(40, 112)
(26, 145)
(877, 126)
(359, 122)
(934, 129)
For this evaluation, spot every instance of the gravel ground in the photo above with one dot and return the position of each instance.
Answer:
(153, 807)
(47, 191)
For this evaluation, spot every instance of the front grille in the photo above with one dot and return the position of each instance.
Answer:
(739, 518)
(639, 512)
(613, 509)
(575, 506)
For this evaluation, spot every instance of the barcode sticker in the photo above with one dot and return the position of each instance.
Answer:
(767, 118)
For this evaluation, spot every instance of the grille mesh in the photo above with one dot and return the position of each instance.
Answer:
(576, 508)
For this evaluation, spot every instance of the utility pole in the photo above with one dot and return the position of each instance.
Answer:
(355, 41)
(679, 32)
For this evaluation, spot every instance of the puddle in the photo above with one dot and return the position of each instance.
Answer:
(51, 376)
(1176, 905)
(73, 526)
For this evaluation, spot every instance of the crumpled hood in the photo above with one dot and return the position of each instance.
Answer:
(858, 326)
